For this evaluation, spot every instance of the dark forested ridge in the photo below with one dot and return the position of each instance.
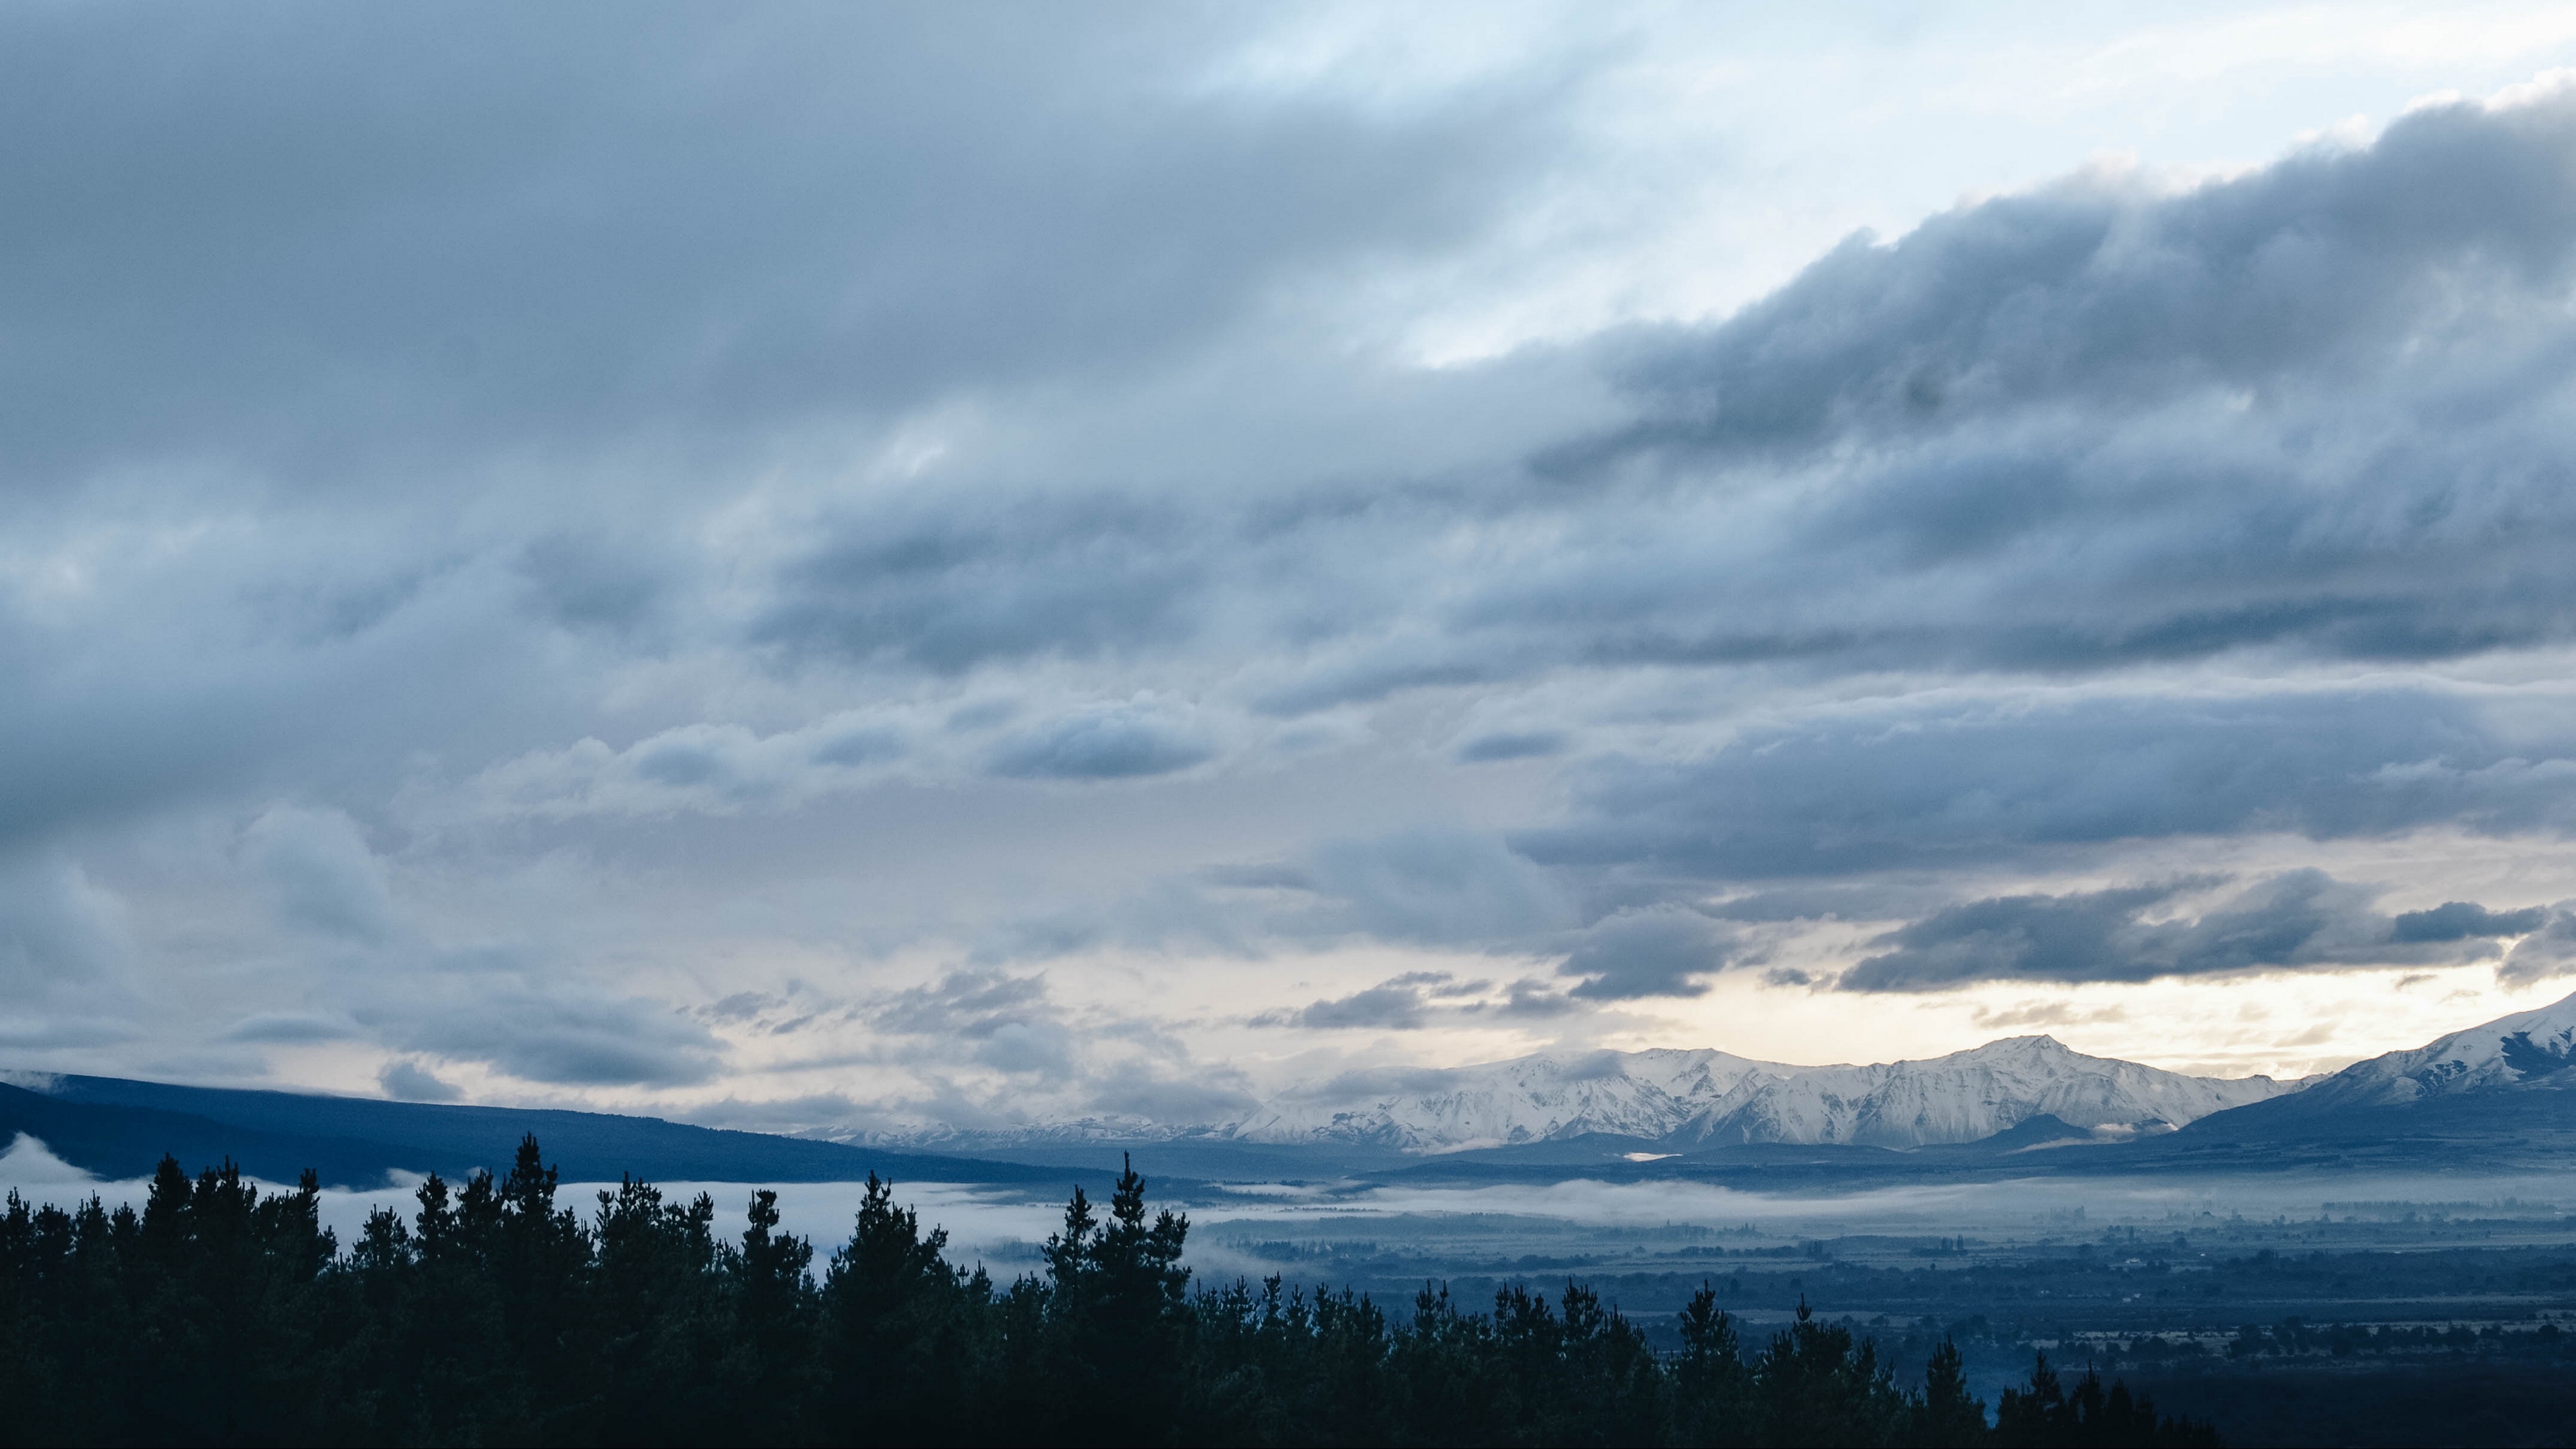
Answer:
(219, 1314)
(118, 1129)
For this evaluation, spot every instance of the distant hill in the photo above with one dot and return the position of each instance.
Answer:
(114, 1128)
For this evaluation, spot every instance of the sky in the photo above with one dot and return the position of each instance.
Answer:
(893, 569)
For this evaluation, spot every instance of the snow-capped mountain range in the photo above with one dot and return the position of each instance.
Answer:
(1691, 1099)
(1527, 1099)
(1683, 1101)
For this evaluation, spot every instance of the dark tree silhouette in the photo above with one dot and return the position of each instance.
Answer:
(1947, 1413)
(222, 1314)
(1813, 1385)
(2045, 1412)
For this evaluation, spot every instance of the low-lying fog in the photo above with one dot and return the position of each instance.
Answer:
(1306, 1230)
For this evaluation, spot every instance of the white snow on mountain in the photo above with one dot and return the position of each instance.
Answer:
(1709, 1098)
(1693, 1099)
(2527, 1049)
(1967, 1096)
(1528, 1099)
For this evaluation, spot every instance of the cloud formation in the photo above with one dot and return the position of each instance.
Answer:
(1659, 951)
(320, 873)
(559, 1037)
(883, 559)
(2547, 953)
(2296, 919)
(1954, 780)
(1111, 742)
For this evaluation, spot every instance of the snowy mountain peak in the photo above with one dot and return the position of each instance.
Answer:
(1526, 1099)
(2022, 1047)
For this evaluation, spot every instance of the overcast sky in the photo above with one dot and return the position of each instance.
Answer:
(871, 568)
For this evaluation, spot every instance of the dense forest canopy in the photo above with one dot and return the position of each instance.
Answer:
(223, 1315)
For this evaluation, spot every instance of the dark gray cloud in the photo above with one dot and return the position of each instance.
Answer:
(412, 1082)
(968, 1004)
(2295, 919)
(977, 581)
(1443, 887)
(2089, 427)
(312, 241)
(2111, 400)
(1106, 742)
(285, 1027)
(1942, 784)
(1391, 1007)
(2547, 952)
(558, 1036)
(2096, 287)
(1512, 746)
(588, 582)
(2095, 371)
(1666, 951)
(1412, 1002)
(2462, 920)
(1532, 1000)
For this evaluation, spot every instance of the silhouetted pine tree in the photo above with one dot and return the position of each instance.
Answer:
(2044, 1412)
(1276, 1366)
(25, 1376)
(1128, 1323)
(656, 1333)
(899, 1325)
(67, 1331)
(2034, 1413)
(539, 1257)
(1446, 1366)
(769, 1368)
(1946, 1414)
(1607, 1387)
(1813, 1385)
(1712, 1393)
(220, 1314)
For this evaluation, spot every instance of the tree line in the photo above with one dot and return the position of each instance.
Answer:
(219, 1315)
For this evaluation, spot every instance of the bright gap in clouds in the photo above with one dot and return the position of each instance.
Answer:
(881, 572)
(1719, 152)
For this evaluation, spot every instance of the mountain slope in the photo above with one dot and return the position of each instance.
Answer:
(2529, 1050)
(2500, 1091)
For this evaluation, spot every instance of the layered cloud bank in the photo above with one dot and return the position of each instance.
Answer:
(898, 570)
